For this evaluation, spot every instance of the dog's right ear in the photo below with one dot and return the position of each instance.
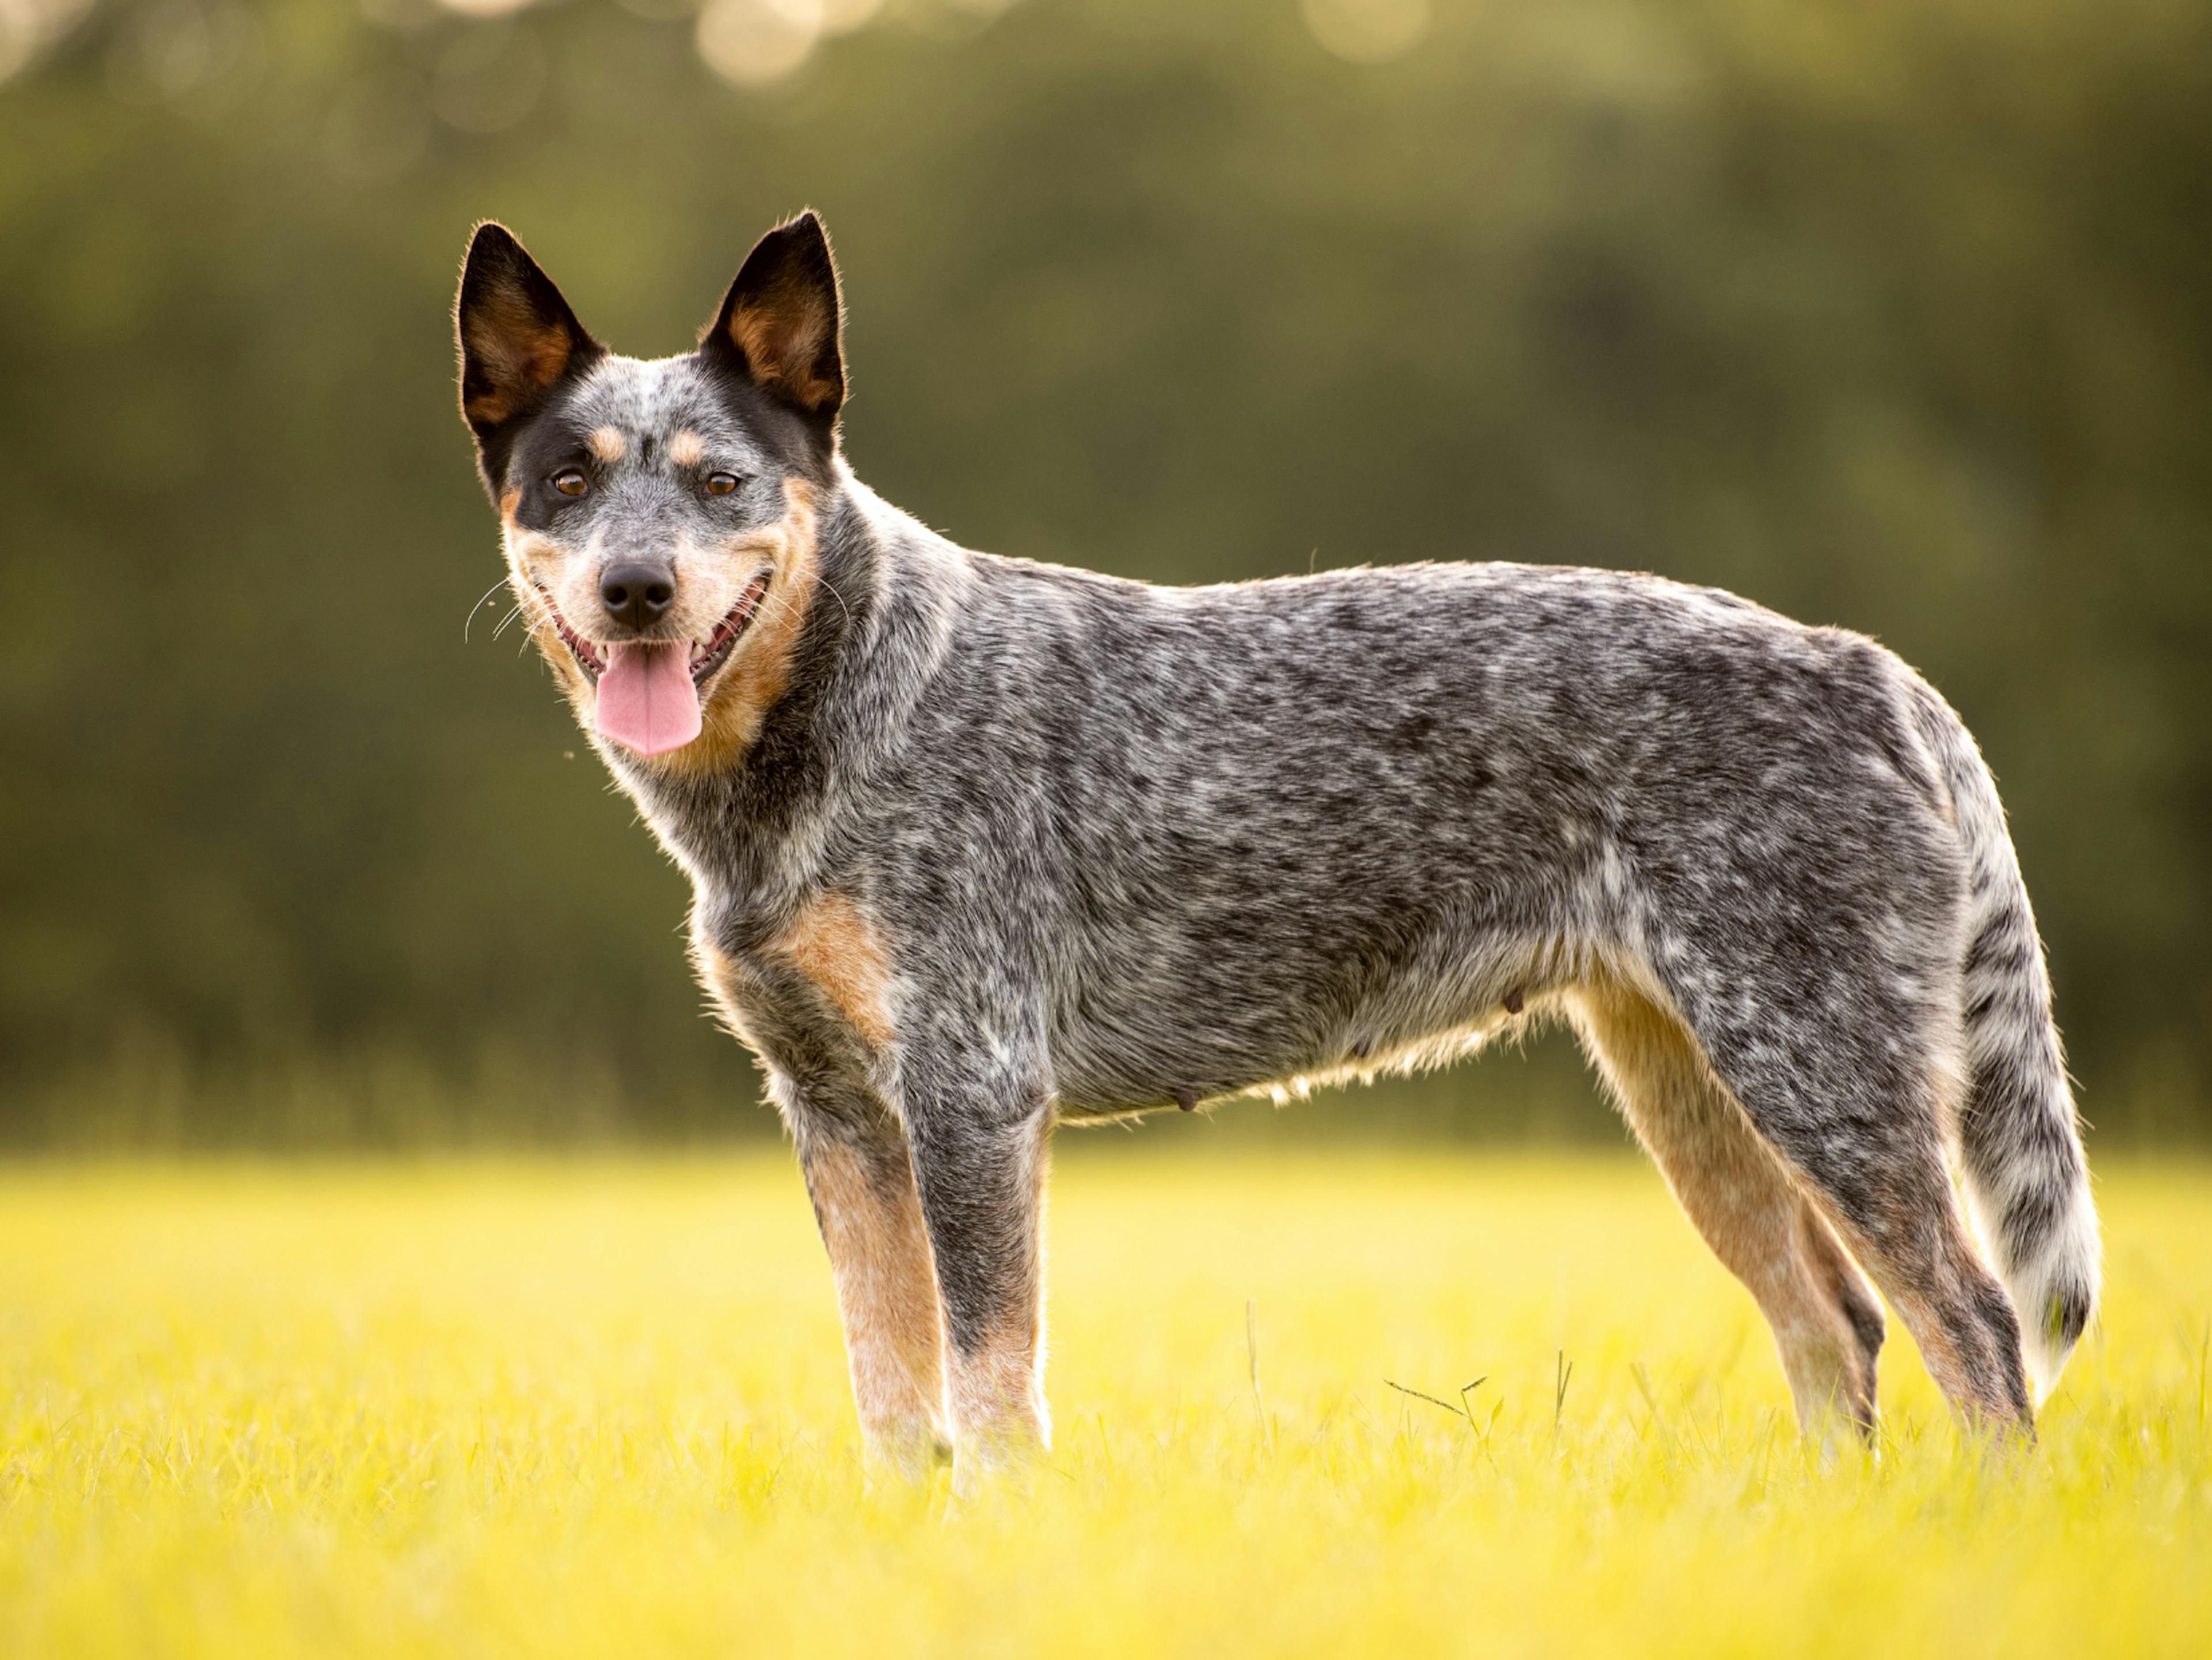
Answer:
(780, 323)
(518, 337)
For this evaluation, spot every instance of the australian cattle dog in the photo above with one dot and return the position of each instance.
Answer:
(980, 845)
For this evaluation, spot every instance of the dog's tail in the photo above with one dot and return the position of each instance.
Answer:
(2027, 1179)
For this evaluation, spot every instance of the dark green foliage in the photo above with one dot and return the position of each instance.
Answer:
(1896, 315)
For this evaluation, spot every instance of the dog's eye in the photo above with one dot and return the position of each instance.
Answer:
(721, 483)
(569, 482)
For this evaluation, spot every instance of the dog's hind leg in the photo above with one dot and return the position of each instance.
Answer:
(861, 1181)
(1827, 1320)
(1844, 1068)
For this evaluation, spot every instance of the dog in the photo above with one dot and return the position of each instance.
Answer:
(980, 845)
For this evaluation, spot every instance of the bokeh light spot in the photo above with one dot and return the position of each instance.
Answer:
(1367, 31)
(754, 43)
(29, 27)
(844, 16)
(487, 9)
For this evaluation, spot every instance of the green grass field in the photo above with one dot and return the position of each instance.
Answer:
(599, 1407)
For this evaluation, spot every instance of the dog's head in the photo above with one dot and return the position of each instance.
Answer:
(659, 516)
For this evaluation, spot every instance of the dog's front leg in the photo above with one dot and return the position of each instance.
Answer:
(980, 1166)
(862, 1184)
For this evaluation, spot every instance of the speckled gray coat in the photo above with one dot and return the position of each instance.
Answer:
(1007, 842)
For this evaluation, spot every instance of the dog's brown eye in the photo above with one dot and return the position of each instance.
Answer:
(569, 482)
(721, 483)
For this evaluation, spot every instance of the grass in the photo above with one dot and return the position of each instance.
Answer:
(599, 1407)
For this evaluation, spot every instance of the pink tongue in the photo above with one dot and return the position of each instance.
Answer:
(646, 700)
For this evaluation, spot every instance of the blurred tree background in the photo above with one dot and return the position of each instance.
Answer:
(1892, 313)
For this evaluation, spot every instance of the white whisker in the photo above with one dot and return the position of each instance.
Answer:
(479, 606)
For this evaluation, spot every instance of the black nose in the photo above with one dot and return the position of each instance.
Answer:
(637, 594)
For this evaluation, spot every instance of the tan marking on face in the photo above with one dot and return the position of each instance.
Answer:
(833, 942)
(687, 449)
(739, 696)
(508, 502)
(606, 443)
(523, 548)
(520, 352)
(872, 1226)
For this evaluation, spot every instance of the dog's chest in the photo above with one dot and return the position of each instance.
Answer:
(816, 978)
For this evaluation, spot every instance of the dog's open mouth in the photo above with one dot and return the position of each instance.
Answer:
(586, 653)
(706, 657)
(649, 690)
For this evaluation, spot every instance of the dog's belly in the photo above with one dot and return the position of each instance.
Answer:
(1302, 1022)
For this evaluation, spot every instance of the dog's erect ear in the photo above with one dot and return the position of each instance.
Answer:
(778, 325)
(518, 337)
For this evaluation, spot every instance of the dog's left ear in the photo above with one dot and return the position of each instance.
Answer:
(780, 325)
